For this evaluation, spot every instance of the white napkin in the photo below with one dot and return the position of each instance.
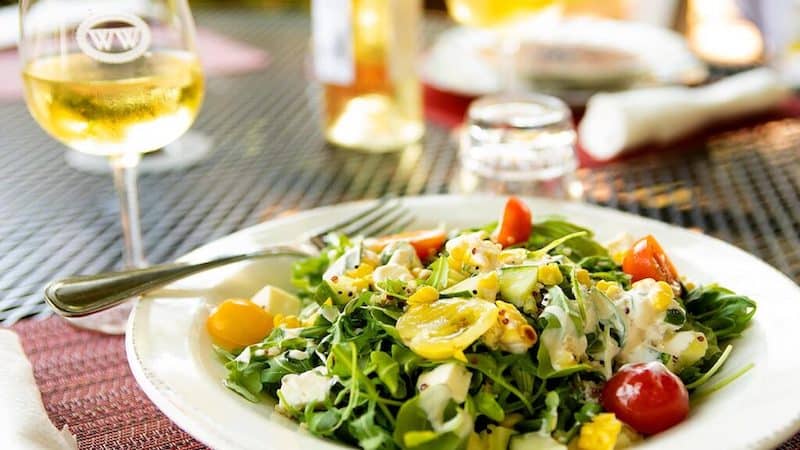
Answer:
(24, 424)
(618, 122)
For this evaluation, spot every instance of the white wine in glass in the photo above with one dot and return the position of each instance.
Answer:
(112, 78)
(493, 13)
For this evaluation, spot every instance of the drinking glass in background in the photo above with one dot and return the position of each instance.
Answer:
(124, 82)
(519, 144)
(514, 142)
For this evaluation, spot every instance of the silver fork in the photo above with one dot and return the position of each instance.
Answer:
(82, 295)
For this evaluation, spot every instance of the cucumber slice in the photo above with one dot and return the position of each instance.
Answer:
(342, 290)
(464, 288)
(485, 286)
(517, 284)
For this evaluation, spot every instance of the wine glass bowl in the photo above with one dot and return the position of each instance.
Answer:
(114, 78)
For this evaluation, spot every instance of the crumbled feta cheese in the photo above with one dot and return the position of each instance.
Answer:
(370, 257)
(291, 333)
(472, 253)
(391, 272)
(403, 254)
(244, 357)
(299, 390)
(297, 355)
(277, 301)
(422, 273)
(451, 375)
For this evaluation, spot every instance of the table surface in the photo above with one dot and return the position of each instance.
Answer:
(269, 159)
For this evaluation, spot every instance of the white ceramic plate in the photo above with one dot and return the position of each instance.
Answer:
(171, 356)
(460, 59)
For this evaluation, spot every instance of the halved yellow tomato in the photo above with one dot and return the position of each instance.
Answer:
(445, 328)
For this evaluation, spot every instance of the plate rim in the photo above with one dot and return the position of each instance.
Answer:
(691, 74)
(158, 392)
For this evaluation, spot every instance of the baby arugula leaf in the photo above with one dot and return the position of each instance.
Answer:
(720, 309)
(486, 404)
(439, 273)
(369, 435)
(388, 370)
(576, 249)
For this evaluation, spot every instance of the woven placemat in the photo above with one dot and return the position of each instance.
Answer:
(86, 383)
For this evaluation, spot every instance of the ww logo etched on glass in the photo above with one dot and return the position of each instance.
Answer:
(113, 38)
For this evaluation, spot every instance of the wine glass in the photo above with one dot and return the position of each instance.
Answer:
(116, 78)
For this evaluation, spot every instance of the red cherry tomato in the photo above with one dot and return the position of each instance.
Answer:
(646, 259)
(646, 396)
(426, 242)
(515, 224)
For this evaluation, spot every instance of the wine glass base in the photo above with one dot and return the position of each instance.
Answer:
(111, 321)
(192, 148)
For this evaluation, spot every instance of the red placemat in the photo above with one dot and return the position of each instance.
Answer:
(86, 384)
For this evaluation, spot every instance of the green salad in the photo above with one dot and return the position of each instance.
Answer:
(512, 335)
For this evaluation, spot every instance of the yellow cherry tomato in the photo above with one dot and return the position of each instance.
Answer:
(237, 323)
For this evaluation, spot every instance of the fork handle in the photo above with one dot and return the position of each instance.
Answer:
(82, 295)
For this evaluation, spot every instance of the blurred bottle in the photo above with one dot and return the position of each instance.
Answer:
(364, 54)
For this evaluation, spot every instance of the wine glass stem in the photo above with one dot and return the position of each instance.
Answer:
(124, 168)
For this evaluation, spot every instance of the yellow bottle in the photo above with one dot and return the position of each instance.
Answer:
(364, 55)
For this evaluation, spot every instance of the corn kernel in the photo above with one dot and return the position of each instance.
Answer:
(425, 294)
(549, 274)
(491, 281)
(601, 433)
(610, 288)
(563, 359)
(583, 277)
(290, 321)
(513, 256)
(618, 257)
(662, 296)
(361, 271)
(488, 285)
(457, 254)
(362, 283)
